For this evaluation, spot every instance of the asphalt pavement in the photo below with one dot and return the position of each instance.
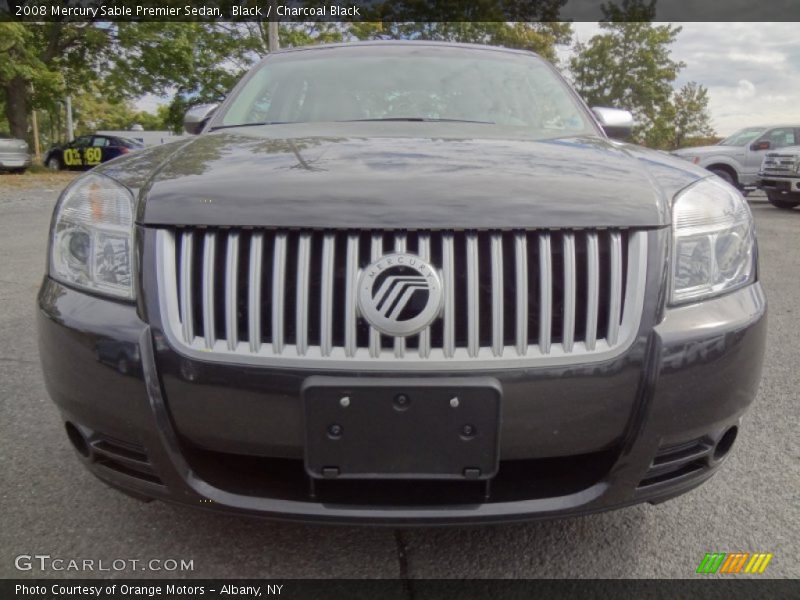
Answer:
(52, 506)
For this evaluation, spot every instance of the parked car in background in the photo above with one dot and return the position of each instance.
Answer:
(737, 159)
(14, 154)
(779, 177)
(87, 151)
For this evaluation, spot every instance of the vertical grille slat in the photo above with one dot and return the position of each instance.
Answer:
(209, 316)
(187, 314)
(399, 342)
(351, 271)
(231, 290)
(593, 290)
(448, 283)
(545, 293)
(615, 303)
(376, 250)
(522, 279)
(303, 267)
(278, 292)
(254, 277)
(568, 336)
(326, 310)
(424, 252)
(497, 294)
(537, 296)
(473, 298)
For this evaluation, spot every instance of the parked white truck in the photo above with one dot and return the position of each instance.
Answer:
(779, 177)
(737, 159)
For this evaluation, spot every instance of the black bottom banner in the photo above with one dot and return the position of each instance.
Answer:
(400, 589)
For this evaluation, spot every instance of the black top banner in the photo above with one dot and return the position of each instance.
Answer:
(397, 10)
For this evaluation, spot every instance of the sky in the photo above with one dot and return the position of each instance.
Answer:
(751, 70)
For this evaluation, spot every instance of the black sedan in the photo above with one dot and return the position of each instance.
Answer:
(402, 283)
(88, 151)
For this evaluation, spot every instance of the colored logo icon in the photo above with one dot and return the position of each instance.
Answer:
(734, 562)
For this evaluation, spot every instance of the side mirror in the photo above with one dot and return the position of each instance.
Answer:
(615, 122)
(196, 117)
(762, 145)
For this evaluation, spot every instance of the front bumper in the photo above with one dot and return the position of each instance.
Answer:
(785, 185)
(642, 427)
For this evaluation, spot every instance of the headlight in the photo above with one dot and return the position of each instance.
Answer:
(714, 242)
(93, 235)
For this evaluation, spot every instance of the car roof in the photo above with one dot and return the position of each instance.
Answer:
(406, 43)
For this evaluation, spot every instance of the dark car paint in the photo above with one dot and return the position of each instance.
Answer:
(359, 175)
(690, 374)
(694, 374)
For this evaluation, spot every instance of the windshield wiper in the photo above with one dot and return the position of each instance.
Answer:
(255, 124)
(420, 120)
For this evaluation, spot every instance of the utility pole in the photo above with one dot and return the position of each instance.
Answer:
(35, 124)
(36, 150)
(70, 133)
(273, 43)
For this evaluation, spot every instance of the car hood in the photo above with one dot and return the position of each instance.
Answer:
(704, 150)
(367, 179)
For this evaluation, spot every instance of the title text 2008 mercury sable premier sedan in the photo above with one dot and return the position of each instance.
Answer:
(402, 283)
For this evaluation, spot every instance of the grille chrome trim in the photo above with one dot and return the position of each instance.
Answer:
(593, 294)
(254, 288)
(780, 164)
(231, 271)
(278, 292)
(568, 337)
(559, 343)
(209, 310)
(521, 262)
(545, 293)
(186, 286)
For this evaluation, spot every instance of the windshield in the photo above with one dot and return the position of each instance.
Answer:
(411, 83)
(742, 137)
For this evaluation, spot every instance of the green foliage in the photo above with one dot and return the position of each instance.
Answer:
(93, 110)
(628, 65)
(40, 61)
(537, 37)
(692, 120)
(104, 66)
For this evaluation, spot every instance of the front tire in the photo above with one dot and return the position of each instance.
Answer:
(781, 202)
(54, 164)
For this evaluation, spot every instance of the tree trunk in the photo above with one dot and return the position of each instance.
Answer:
(17, 107)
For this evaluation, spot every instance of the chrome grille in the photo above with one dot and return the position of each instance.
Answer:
(270, 297)
(780, 164)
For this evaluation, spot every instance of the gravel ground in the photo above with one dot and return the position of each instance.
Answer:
(53, 506)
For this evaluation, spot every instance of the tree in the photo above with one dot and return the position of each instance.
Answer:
(539, 37)
(629, 66)
(110, 64)
(692, 119)
(38, 61)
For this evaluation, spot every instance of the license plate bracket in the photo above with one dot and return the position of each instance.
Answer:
(398, 428)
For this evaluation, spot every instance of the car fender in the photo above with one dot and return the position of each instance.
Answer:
(721, 159)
